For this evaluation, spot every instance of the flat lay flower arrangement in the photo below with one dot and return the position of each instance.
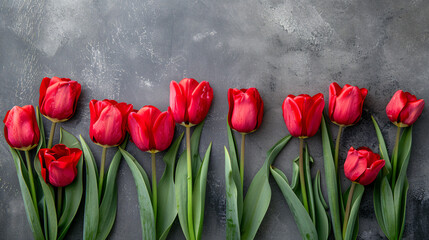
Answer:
(53, 185)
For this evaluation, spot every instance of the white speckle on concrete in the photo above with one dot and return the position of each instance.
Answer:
(201, 36)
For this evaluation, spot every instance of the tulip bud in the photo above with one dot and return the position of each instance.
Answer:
(345, 104)
(150, 129)
(362, 165)
(108, 122)
(58, 98)
(21, 130)
(246, 109)
(404, 108)
(190, 101)
(303, 114)
(59, 164)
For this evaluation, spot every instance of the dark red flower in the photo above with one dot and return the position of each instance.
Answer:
(362, 165)
(404, 108)
(246, 109)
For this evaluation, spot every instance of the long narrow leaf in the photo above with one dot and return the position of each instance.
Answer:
(147, 217)
(232, 220)
(32, 217)
(302, 219)
(73, 192)
(322, 221)
(167, 210)
(91, 212)
(331, 181)
(354, 212)
(388, 208)
(181, 189)
(377, 203)
(235, 171)
(309, 185)
(195, 146)
(382, 146)
(199, 194)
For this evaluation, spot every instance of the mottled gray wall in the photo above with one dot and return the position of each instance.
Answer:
(130, 50)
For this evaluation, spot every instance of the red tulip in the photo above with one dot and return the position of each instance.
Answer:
(303, 114)
(151, 130)
(362, 165)
(189, 101)
(58, 98)
(20, 128)
(246, 109)
(108, 122)
(345, 104)
(59, 164)
(404, 108)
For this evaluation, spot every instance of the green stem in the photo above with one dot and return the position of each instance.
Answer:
(337, 147)
(30, 176)
(395, 157)
(101, 177)
(154, 190)
(59, 200)
(51, 134)
(349, 203)
(189, 179)
(243, 136)
(301, 173)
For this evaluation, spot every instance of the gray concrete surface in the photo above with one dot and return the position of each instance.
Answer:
(130, 50)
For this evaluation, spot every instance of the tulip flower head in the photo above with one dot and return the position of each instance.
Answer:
(58, 98)
(59, 164)
(303, 114)
(362, 165)
(246, 109)
(20, 128)
(108, 122)
(345, 104)
(404, 108)
(150, 129)
(190, 101)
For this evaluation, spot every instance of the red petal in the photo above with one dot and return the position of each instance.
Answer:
(42, 92)
(245, 113)
(348, 106)
(354, 166)
(177, 102)
(163, 130)
(200, 102)
(411, 112)
(395, 105)
(314, 115)
(138, 132)
(61, 174)
(292, 116)
(334, 91)
(371, 173)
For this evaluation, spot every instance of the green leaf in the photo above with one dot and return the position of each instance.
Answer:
(302, 218)
(195, 146)
(354, 212)
(235, 171)
(388, 208)
(181, 190)
(73, 192)
(32, 216)
(232, 221)
(91, 212)
(382, 146)
(322, 221)
(309, 185)
(401, 214)
(48, 192)
(331, 180)
(109, 204)
(377, 203)
(295, 175)
(145, 205)
(199, 194)
(167, 210)
(259, 194)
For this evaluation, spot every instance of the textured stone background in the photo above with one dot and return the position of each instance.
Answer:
(129, 50)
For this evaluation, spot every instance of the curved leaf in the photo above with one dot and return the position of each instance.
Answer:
(377, 203)
(91, 212)
(388, 208)
(109, 204)
(181, 190)
(195, 146)
(302, 219)
(235, 171)
(145, 205)
(199, 194)
(259, 194)
(322, 221)
(382, 146)
(73, 192)
(354, 212)
(309, 186)
(232, 221)
(167, 209)
(32, 216)
(331, 180)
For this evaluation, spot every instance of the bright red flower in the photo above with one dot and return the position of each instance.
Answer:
(345, 104)
(151, 130)
(108, 124)
(362, 165)
(58, 98)
(20, 128)
(303, 114)
(404, 108)
(59, 164)
(190, 101)
(246, 109)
